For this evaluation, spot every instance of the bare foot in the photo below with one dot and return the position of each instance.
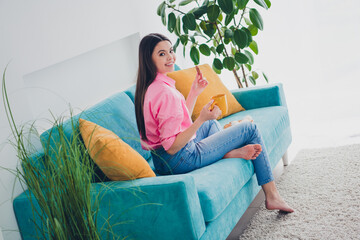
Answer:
(278, 204)
(248, 152)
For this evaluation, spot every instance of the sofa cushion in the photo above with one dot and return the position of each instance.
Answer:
(218, 183)
(116, 113)
(184, 79)
(116, 159)
(271, 121)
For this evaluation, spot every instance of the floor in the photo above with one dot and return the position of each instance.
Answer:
(323, 119)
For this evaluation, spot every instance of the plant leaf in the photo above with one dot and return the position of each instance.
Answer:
(252, 80)
(220, 48)
(189, 21)
(227, 6)
(161, 8)
(247, 21)
(228, 18)
(256, 19)
(216, 70)
(229, 63)
(240, 38)
(177, 29)
(200, 11)
(254, 47)
(268, 3)
(262, 4)
(255, 74)
(184, 39)
(248, 34)
(228, 33)
(266, 78)
(241, 58)
(195, 55)
(204, 49)
(210, 30)
(213, 12)
(176, 44)
(242, 3)
(250, 57)
(185, 2)
(248, 66)
(253, 30)
(171, 22)
(218, 64)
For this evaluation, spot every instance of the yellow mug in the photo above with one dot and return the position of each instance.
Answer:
(221, 101)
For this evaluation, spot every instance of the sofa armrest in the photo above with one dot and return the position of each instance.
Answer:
(262, 96)
(164, 207)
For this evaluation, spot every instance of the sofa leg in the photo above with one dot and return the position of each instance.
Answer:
(285, 158)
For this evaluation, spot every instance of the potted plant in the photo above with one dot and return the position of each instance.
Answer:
(224, 29)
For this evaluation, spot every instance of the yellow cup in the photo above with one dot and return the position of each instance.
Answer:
(221, 101)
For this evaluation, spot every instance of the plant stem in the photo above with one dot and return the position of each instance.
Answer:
(242, 15)
(169, 6)
(237, 79)
(243, 71)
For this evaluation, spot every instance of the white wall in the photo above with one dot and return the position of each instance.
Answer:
(38, 34)
(310, 46)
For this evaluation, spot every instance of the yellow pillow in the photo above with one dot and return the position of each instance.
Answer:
(184, 79)
(115, 158)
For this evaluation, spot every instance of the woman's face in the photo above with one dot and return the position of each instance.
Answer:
(164, 57)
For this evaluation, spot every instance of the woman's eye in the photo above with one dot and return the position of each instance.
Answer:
(161, 54)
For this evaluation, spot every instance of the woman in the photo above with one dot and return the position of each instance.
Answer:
(179, 145)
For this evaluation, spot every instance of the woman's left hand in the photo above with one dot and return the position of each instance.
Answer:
(199, 84)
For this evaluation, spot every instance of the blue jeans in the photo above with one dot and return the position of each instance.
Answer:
(210, 145)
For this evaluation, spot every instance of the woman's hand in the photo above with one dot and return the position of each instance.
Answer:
(199, 84)
(207, 114)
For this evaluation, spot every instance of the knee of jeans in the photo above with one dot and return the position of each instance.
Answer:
(214, 121)
(251, 126)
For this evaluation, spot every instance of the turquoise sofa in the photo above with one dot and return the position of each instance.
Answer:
(203, 204)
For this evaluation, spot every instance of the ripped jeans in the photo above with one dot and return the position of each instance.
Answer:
(212, 142)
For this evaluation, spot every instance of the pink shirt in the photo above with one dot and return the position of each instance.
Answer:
(165, 113)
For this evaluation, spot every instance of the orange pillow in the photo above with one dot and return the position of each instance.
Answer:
(115, 158)
(184, 79)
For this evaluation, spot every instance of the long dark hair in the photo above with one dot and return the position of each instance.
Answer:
(146, 75)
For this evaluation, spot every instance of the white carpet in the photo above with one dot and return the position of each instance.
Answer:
(323, 185)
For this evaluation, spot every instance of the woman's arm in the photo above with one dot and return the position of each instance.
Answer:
(184, 137)
(198, 85)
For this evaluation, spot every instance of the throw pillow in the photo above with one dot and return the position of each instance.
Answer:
(115, 158)
(183, 81)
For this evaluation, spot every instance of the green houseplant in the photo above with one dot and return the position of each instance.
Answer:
(224, 28)
(59, 180)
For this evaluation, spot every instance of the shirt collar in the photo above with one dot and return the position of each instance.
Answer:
(162, 77)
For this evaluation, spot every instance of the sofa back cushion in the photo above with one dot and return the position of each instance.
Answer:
(116, 113)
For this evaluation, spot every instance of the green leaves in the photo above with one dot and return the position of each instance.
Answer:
(161, 9)
(189, 21)
(262, 4)
(229, 63)
(242, 3)
(240, 38)
(217, 64)
(185, 2)
(195, 55)
(213, 13)
(256, 18)
(212, 26)
(204, 49)
(171, 22)
(227, 6)
(241, 58)
(254, 47)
